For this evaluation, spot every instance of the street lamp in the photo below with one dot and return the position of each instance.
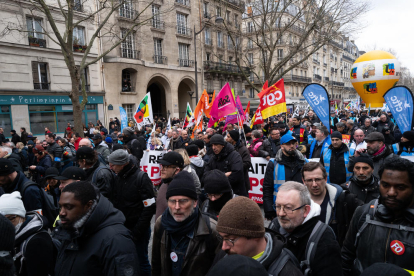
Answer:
(191, 93)
(218, 20)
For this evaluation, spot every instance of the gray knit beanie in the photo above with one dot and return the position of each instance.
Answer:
(119, 157)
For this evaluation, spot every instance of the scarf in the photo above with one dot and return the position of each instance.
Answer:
(379, 151)
(218, 204)
(179, 228)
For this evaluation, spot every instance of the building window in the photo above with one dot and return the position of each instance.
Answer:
(236, 20)
(5, 119)
(40, 75)
(251, 92)
(208, 57)
(228, 17)
(130, 110)
(182, 24)
(250, 58)
(86, 74)
(56, 117)
(156, 17)
(128, 45)
(250, 27)
(35, 32)
(183, 54)
(158, 58)
(249, 43)
(210, 86)
(220, 42)
(126, 81)
(127, 9)
(207, 37)
(205, 10)
(229, 43)
(79, 36)
(218, 11)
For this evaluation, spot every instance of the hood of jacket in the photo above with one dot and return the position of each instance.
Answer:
(102, 215)
(298, 155)
(274, 245)
(197, 161)
(314, 211)
(33, 224)
(334, 191)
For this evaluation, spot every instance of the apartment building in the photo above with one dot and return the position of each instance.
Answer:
(34, 79)
(329, 65)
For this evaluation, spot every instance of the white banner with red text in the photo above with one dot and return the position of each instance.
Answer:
(256, 174)
(150, 166)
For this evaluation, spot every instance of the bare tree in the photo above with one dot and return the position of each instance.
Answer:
(63, 17)
(297, 27)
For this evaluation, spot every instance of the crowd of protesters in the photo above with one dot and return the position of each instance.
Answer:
(338, 199)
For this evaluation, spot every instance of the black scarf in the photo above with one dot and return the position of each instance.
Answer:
(218, 204)
(179, 228)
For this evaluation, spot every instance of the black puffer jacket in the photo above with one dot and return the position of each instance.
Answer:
(247, 162)
(229, 160)
(136, 146)
(129, 194)
(293, 166)
(271, 147)
(57, 152)
(104, 178)
(365, 193)
(380, 125)
(102, 246)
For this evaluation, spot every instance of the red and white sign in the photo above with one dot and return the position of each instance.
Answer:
(397, 247)
(256, 174)
(151, 167)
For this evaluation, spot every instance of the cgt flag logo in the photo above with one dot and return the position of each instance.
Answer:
(354, 73)
(370, 88)
(388, 69)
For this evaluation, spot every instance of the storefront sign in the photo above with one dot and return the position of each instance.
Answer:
(42, 99)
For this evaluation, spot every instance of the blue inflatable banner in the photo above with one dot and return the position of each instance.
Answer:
(399, 100)
(318, 98)
(124, 118)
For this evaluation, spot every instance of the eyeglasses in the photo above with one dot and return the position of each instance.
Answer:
(229, 242)
(181, 202)
(168, 167)
(216, 196)
(286, 209)
(11, 218)
(316, 180)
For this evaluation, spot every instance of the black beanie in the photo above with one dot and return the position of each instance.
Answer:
(182, 185)
(238, 265)
(192, 150)
(7, 234)
(246, 129)
(216, 182)
(364, 158)
(234, 134)
(217, 139)
(199, 143)
(336, 134)
(409, 135)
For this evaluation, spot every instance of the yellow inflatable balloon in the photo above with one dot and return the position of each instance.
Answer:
(373, 74)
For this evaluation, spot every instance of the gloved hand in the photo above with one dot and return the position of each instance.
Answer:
(270, 215)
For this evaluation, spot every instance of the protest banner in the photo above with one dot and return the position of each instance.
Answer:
(256, 174)
(151, 167)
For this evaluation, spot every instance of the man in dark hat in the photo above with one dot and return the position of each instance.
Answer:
(96, 172)
(233, 137)
(376, 149)
(229, 161)
(335, 159)
(52, 183)
(15, 137)
(171, 164)
(182, 230)
(135, 144)
(247, 135)
(406, 145)
(133, 195)
(69, 175)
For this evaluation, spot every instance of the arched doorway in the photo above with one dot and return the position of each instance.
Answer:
(183, 96)
(158, 87)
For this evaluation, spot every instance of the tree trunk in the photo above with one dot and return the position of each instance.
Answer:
(77, 111)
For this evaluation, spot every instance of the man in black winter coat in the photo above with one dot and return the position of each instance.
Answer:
(54, 149)
(297, 217)
(233, 137)
(96, 172)
(382, 122)
(272, 145)
(135, 144)
(15, 137)
(241, 229)
(229, 161)
(133, 195)
(94, 239)
(363, 184)
(286, 166)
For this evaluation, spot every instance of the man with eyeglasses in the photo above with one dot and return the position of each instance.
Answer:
(133, 195)
(337, 203)
(241, 231)
(185, 240)
(171, 164)
(298, 220)
(272, 145)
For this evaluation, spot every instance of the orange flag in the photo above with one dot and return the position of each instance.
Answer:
(208, 104)
(198, 111)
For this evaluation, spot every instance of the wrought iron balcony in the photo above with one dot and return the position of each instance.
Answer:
(336, 83)
(183, 30)
(158, 24)
(87, 86)
(208, 41)
(317, 77)
(129, 53)
(127, 12)
(41, 85)
(326, 79)
(183, 2)
(210, 66)
(185, 62)
(160, 59)
(296, 78)
(37, 42)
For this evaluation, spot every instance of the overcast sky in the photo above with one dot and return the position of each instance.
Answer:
(390, 24)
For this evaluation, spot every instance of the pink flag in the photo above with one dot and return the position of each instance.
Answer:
(235, 118)
(223, 104)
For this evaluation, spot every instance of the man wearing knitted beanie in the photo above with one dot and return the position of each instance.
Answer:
(364, 184)
(406, 146)
(6, 247)
(241, 228)
(218, 190)
(185, 240)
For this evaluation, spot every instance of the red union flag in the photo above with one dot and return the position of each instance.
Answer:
(272, 100)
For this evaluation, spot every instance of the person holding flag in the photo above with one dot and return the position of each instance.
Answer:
(299, 132)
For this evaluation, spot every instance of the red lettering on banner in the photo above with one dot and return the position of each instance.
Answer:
(253, 182)
(154, 171)
(397, 247)
(256, 198)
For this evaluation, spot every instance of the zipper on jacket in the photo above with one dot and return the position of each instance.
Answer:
(386, 244)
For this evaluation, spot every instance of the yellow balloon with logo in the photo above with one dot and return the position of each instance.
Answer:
(373, 74)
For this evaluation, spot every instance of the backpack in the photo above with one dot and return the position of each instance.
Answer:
(49, 210)
(276, 267)
(23, 160)
(72, 149)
